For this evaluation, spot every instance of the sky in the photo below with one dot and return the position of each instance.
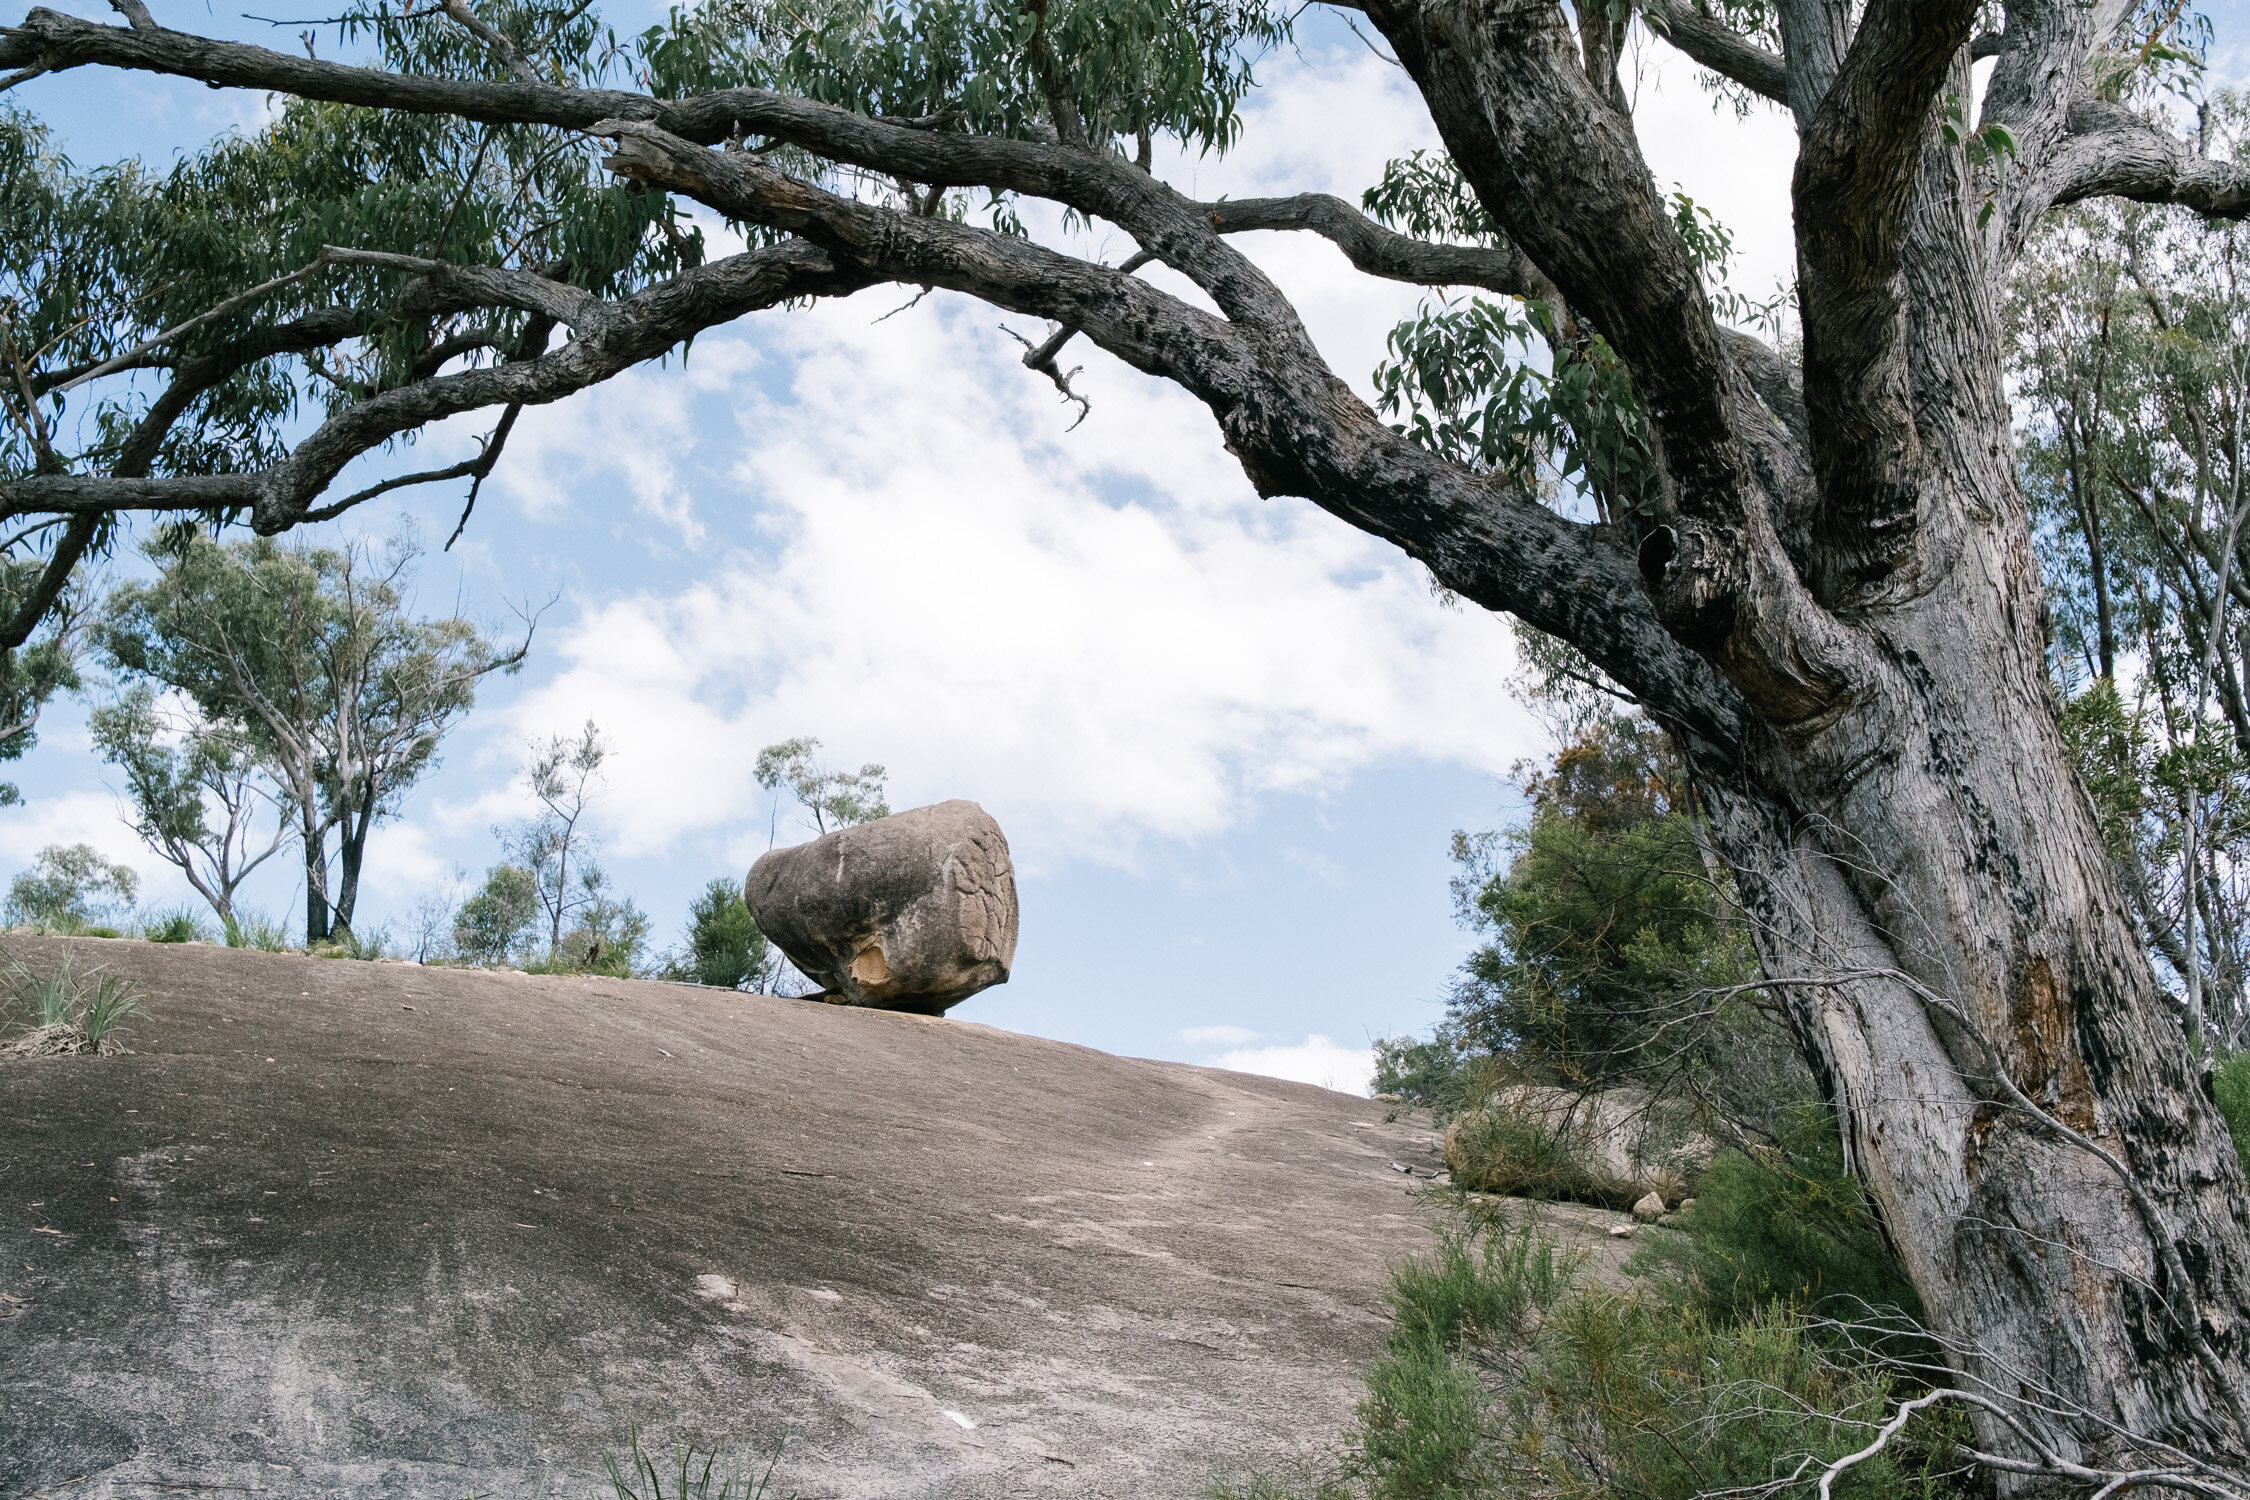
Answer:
(1228, 739)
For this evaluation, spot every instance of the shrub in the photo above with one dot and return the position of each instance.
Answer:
(177, 926)
(1427, 1073)
(348, 942)
(2230, 1087)
(1631, 1398)
(251, 928)
(686, 1475)
(491, 924)
(110, 1003)
(1787, 1224)
(49, 998)
(725, 947)
(91, 1003)
(68, 888)
(1504, 1373)
(1499, 1150)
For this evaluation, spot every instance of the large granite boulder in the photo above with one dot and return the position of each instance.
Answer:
(916, 911)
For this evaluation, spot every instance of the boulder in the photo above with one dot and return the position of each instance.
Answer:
(1611, 1148)
(1650, 1208)
(914, 912)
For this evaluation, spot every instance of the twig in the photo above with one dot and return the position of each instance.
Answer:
(232, 304)
(1041, 357)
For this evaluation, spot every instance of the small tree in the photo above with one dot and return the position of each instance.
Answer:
(491, 925)
(725, 947)
(557, 846)
(195, 791)
(608, 938)
(70, 888)
(836, 799)
(311, 656)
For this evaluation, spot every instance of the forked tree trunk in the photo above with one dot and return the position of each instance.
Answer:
(1882, 758)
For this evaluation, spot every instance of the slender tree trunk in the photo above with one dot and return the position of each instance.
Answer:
(2097, 561)
(351, 849)
(315, 838)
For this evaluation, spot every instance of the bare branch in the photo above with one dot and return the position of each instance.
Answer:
(488, 286)
(1376, 250)
(231, 305)
(1719, 47)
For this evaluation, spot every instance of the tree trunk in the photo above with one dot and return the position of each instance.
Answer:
(315, 838)
(1895, 795)
(351, 849)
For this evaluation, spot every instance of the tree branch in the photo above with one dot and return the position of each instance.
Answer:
(1856, 170)
(1719, 47)
(1162, 220)
(2109, 151)
(1293, 427)
(1374, 249)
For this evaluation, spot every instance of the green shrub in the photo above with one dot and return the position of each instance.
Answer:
(110, 1003)
(1635, 1398)
(1420, 1072)
(1500, 1150)
(1505, 1375)
(49, 998)
(94, 1002)
(493, 924)
(687, 1474)
(1785, 1225)
(725, 947)
(251, 928)
(2230, 1086)
(1427, 1425)
(178, 926)
(346, 942)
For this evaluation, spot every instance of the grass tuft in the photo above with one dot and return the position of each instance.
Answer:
(69, 1010)
(685, 1475)
(254, 929)
(180, 925)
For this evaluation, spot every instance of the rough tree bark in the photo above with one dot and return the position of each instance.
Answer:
(1829, 595)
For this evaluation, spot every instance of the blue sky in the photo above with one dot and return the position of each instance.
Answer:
(1228, 738)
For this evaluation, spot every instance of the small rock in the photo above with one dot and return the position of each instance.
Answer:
(1650, 1208)
(1402, 1167)
(1666, 1221)
(1621, 1232)
(1686, 1204)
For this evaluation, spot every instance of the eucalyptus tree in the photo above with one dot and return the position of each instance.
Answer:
(2131, 335)
(1814, 567)
(199, 794)
(313, 659)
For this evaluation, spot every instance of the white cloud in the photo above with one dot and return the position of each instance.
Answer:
(1103, 636)
(1218, 1036)
(624, 437)
(84, 817)
(1316, 1060)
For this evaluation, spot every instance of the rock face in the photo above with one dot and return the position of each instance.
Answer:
(468, 1228)
(913, 912)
